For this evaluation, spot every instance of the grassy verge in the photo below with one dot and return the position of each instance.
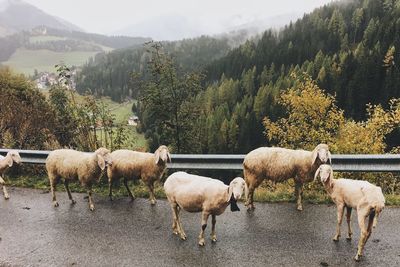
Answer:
(280, 193)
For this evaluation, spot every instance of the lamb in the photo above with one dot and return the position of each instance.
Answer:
(280, 164)
(195, 193)
(5, 163)
(363, 196)
(133, 165)
(75, 165)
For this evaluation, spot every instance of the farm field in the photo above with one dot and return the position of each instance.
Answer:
(26, 61)
(122, 112)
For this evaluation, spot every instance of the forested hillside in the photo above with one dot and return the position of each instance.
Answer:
(351, 50)
(111, 74)
(349, 47)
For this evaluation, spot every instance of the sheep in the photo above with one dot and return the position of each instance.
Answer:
(5, 163)
(195, 193)
(75, 165)
(280, 164)
(363, 196)
(133, 165)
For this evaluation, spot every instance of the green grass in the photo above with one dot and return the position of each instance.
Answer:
(26, 61)
(138, 188)
(281, 193)
(122, 112)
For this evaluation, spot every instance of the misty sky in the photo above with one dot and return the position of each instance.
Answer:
(107, 16)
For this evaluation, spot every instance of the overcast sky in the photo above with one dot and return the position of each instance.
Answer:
(107, 16)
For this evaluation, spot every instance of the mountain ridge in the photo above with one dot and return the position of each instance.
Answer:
(17, 15)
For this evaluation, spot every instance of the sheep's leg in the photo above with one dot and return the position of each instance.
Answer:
(53, 183)
(110, 185)
(364, 234)
(348, 217)
(150, 185)
(340, 210)
(213, 221)
(2, 182)
(369, 228)
(252, 183)
(129, 191)
(175, 228)
(89, 191)
(204, 219)
(66, 185)
(182, 233)
(299, 193)
(176, 224)
(249, 202)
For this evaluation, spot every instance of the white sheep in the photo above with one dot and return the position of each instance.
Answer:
(133, 165)
(280, 164)
(75, 165)
(195, 193)
(5, 163)
(363, 196)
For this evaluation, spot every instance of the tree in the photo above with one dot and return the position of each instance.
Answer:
(164, 100)
(312, 117)
(27, 120)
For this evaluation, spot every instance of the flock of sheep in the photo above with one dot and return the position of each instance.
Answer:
(209, 196)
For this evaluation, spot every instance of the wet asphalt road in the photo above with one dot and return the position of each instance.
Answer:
(121, 233)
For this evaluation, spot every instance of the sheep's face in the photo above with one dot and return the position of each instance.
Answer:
(324, 171)
(15, 156)
(162, 155)
(237, 187)
(104, 157)
(322, 153)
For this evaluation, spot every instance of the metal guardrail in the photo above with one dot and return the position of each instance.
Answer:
(340, 162)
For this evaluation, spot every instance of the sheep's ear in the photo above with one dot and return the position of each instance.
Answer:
(230, 191)
(330, 179)
(231, 199)
(101, 162)
(314, 156)
(316, 174)
(169, 157)
(157, 155)
(330, 157)
(10, 162)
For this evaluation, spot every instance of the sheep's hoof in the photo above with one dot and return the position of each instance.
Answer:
(6, 197)
(153, 202)
(91, 207)
(214, 238)
(300, 208)
(348, 238)
(202, 242)
(132, 198)
(336, 238)
(357, 257)
(182, 236)
(250, 207)
(55, 204)
(73, 202)
(111, 198)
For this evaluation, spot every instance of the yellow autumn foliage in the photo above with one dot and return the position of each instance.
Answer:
(312, 117)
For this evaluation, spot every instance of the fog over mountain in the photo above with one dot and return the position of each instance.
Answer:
(175, 27)
(176, 19)
(17, 15)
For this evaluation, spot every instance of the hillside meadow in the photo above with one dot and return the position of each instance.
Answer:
(26, 61)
